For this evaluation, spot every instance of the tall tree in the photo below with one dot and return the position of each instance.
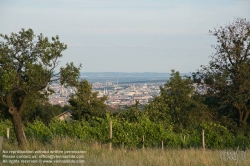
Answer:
(228, 72)
(27, 65)
(177, 103)
(178, 92)
(85, 103)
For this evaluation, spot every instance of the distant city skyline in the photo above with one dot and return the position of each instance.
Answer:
(128, 35)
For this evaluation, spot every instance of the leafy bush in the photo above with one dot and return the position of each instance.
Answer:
(3, 130)
(216, 135)
(39, 131)
(242, 142)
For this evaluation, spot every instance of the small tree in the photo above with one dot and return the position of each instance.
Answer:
(131, 113)
(27, 66)
(85, 102)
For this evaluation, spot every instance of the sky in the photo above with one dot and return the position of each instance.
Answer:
(127, 35)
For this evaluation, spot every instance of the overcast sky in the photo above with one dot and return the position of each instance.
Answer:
(126, 35)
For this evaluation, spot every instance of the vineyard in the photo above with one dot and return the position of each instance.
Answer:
(130, 135)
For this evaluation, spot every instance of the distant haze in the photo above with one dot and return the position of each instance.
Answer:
(123, 77)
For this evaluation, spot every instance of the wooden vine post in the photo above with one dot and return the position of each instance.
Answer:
(203, 139)
(1, 143)
(8, 133)
(143, 142)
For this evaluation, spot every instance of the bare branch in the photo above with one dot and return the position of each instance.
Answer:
(2, 101)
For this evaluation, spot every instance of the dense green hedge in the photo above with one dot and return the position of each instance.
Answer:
(130, 133)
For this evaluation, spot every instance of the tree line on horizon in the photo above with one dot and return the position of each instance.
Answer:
(28, 62)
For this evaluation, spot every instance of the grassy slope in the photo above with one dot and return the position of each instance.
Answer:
(100, 155)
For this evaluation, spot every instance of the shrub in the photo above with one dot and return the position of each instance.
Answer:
(39, 131)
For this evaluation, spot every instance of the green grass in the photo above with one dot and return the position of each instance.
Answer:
(100, 155)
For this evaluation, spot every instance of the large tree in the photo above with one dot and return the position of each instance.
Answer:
(228, 72)
(28, 63)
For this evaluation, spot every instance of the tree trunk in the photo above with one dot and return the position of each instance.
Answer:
(18, 126)
(240, 120)
(246, 116)
(243, 114)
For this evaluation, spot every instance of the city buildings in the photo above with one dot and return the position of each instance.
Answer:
(118, 95)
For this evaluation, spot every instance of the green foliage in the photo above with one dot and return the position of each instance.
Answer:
(178, 104)
(242, 142)
(130, 113)
(60, 128)
(4, 124)
(131, 133)
(39, 131)
(28, 64)
(42, 111)
(228, 72)
(216, 136)
(158, 110)
(85, 102)
(69, 75)
(27, 67)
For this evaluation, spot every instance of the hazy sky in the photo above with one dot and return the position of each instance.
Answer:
(126, 35)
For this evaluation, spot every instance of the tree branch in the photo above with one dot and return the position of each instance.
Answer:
(3, 102)
(21, 108)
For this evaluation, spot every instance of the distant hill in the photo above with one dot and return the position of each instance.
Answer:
(126, 77)
(124, 74)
